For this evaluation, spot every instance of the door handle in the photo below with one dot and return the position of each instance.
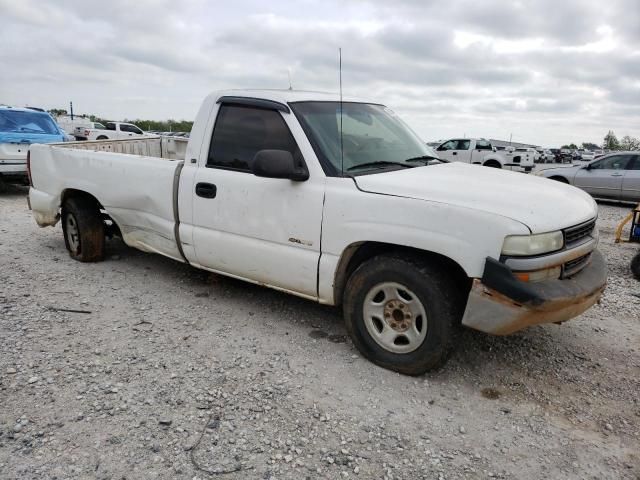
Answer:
(454, 153)
(206, 190)
(617, 174)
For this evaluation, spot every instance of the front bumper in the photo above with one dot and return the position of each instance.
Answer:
(501, 304)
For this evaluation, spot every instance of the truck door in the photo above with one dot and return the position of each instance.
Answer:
(455, 150)
(265, 230)
(482, 148)
(603, 178)
(631, 181)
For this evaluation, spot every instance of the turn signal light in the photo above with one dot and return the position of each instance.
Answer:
(538, 275)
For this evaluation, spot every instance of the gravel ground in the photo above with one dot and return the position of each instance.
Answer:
(169, 372)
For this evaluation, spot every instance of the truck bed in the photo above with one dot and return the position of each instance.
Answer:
(171, 148)
(133, 180)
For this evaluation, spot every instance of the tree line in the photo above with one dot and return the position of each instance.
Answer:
(611, 142)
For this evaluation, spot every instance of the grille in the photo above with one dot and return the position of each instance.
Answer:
(574, 266)
(575, 234)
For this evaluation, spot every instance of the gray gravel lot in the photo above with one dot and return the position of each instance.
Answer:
(170, 372)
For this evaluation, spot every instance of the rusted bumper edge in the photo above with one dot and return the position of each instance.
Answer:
(500, 304)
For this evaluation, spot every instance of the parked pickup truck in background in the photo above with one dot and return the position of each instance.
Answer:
(479, 151)
(271, 190)
(114, 131)
(19, 128)
(77, 126)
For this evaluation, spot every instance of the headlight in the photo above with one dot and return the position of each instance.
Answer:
(525, 245)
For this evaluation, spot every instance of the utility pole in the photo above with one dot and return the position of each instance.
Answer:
(71, 108)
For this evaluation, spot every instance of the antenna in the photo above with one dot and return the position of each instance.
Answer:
(341, 142)
(289, 75)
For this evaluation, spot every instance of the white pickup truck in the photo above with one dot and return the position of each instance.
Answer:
(114, 131)
(479, 151)
(338, 203)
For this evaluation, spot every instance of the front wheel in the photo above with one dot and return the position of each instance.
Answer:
(402, 313)
(83, 229)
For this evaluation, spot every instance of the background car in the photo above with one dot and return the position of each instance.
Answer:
(19, 128)
(615, 176)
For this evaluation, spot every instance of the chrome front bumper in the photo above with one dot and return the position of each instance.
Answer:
(501, 304)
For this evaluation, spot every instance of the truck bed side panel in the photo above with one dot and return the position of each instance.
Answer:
(136, 191)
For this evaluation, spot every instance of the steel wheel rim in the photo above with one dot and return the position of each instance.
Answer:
(395, 317)
(73, 236)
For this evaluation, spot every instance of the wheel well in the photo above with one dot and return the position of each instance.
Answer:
(356, 254)
(558, 178)
(80, 195)
(492, 163)
(102, 137)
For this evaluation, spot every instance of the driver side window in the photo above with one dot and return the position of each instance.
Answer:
(450, 145)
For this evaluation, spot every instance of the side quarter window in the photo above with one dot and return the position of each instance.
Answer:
(634, 164)
(483, 145)
(240, 132)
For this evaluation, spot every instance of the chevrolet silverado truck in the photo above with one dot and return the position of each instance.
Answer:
(339, 203)
(479, 151)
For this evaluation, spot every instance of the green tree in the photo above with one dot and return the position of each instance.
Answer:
(571, 146)
(590, 146)
(611, 141)
(629, 143)
(57, 111)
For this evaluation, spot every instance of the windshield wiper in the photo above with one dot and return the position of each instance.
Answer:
(379, 163)
(427, 158)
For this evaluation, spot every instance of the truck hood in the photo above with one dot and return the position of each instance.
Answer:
(542, 205)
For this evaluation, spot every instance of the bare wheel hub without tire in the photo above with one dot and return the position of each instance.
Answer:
(395, 318)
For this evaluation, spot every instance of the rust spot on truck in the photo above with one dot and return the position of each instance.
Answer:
(494, 313)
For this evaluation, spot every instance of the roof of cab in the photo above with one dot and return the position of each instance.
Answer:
(287, 96)
(21, 109)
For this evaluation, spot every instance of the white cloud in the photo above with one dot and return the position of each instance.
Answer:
(549, 72)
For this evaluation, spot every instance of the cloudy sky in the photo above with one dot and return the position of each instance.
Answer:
(546, 71)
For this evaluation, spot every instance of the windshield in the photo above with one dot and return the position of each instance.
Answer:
(15, 121)
(373, 137)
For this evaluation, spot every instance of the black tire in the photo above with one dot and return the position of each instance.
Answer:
(438, 293)
(493, 164)
(86, 243)
(560, 179)
(635, 266)
(102, 137)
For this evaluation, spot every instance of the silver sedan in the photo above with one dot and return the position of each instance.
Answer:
(615, 176)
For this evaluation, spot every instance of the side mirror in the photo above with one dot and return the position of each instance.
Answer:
(278, 164)
(587, 166)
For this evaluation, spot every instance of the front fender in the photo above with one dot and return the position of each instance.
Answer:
(464, 235)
